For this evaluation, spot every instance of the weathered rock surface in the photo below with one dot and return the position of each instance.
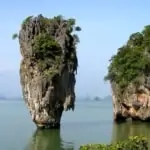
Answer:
(49, 90)
(134, 103)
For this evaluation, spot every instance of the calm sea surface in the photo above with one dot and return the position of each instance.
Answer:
(91, 122)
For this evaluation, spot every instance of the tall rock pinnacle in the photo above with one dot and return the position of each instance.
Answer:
(48, 67)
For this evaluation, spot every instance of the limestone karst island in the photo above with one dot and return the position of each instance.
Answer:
(129, 75)
(48, 67)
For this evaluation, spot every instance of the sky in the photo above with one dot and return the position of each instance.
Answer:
(106, 26)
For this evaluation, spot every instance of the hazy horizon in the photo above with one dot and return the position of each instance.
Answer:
(106, 25)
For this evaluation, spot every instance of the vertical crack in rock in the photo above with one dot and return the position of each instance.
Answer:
(48, 66)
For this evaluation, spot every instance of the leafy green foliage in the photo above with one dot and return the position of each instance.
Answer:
(132, 60)
(46, 51)
(45, 47)
(135, 39)
(77, 28)
(14, 36)
(26, 20)
(133, 143)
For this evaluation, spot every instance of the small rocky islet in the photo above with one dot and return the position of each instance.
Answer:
(49, 65)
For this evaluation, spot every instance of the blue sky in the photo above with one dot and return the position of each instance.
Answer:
(106, 25)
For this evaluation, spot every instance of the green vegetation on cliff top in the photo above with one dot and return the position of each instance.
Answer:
(133, 143)
(131, 61)
(46, 50)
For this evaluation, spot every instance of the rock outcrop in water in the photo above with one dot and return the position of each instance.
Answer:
(48, 67)
(129, 75)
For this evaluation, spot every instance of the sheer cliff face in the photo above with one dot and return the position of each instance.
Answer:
(47, 69)
(129, 75)
(134, 103)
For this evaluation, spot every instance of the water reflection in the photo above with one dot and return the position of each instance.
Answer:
(122, 131)
(48, 140)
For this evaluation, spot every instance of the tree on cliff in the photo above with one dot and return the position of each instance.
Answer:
(45, 46)
(48, 66)
(132, 60)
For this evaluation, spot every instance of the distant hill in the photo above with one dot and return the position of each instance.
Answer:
(97, 98)
(107, 98)
(3, 98)
(10, 98)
